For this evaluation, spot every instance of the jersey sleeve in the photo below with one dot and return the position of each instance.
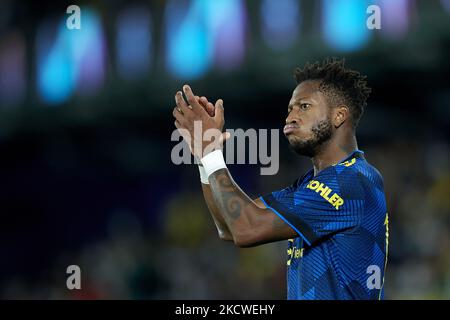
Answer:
(329, 203)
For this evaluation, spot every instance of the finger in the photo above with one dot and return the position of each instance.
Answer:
(190, 97)
(211, 107)
(204, 101)
(181, 103)
(179, 100)
(178, 115)
(198, 100)
(219, 111)
(208, 106)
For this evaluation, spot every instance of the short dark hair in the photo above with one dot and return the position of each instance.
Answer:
(342, 86)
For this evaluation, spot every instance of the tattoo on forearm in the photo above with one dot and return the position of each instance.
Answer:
(233, 204)
(231, 201)
(278, 224)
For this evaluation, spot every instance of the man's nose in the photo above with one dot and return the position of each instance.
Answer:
(291, 120)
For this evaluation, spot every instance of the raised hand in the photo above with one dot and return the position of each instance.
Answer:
(199, 122)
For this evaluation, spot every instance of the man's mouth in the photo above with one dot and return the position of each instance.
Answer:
(289, 128)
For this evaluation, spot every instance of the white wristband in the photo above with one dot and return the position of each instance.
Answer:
(203, 176)
(213, 161)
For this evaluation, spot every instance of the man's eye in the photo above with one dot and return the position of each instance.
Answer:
(304, 106)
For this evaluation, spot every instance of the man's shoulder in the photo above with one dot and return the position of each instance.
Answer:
(359, 172)
(351, 174)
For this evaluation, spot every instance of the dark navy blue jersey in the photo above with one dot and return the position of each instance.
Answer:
(341, 218)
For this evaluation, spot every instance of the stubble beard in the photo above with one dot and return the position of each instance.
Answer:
(322, 132)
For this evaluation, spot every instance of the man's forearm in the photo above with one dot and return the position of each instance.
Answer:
(222, 228)
(238, 211)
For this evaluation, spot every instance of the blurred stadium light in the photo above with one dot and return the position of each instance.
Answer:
(55, 66)
(69, 60)
(395, 17)
(201, 32)
(280, 22)
(189, 49)
(344, 24)
(12, 69)
(227, 22)
(134, 44)
(446, 4)
(89, 52)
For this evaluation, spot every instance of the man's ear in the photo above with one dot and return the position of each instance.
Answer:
(342, 114)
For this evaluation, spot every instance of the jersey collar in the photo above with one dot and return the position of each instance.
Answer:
(358, 154)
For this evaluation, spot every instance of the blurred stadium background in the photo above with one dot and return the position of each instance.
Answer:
(85, 123)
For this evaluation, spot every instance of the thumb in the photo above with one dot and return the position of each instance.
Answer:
(219, 110)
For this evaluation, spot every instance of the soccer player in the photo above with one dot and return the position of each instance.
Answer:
(334, 216)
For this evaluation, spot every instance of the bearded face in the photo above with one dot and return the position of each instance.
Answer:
(321, 132)
(308, 124)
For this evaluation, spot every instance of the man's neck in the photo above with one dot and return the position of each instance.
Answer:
(334, 151)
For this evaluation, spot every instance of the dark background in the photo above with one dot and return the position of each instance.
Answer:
(86, 176)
